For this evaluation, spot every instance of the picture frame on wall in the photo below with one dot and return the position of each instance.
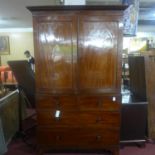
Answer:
(4, 45)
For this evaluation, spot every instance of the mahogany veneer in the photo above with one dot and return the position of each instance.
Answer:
(78, 76)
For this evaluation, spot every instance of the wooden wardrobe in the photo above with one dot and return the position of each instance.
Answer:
(78, 76)
(150, 87)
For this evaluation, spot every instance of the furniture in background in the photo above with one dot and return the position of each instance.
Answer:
(134, 120)
(6, 75)
(78, 76)
(150, 87)
(143, 68)
(3, 147)
(9, 117)
(134, 116)
(137, 77)
(26, 86)
(125, 70)
(13, 109)
(25, 78)
(7, 78)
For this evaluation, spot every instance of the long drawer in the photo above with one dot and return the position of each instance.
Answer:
(78, 137)
(78, 118)
(106, 103)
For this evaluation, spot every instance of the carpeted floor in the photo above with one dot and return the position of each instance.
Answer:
(18, 147)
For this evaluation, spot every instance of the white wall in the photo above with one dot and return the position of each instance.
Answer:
(19, 42)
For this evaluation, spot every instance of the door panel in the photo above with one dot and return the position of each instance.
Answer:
(97, 53)
(56, 53)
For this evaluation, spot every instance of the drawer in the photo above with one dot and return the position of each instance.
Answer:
(77, 118)
(78, 137)
(106, 103)
(56, 102)
(111, 103)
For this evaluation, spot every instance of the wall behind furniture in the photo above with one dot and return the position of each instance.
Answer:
(19, 42)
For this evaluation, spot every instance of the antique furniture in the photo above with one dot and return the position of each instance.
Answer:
(26, 85)
(7, 78)
(134, 122)
(150, 89)
(25, 78)
(6, 75)
(137, 77)
(78, 76)
(9, 118)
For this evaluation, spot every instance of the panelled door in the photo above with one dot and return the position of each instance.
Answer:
(97, 57)
(56, 55)
(77, 52)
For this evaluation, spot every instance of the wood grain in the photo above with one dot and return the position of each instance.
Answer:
(98, 50)
(150, 85)
(78, 75)
(78, 137)
(78, 118)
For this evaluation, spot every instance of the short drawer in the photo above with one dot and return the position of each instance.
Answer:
(106, 103)
(78, 137)
(78, 118)
(111, 103)
(56, 102)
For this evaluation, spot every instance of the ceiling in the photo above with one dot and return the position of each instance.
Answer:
(13, 13)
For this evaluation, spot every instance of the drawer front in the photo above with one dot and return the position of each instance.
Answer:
(78, 137)
(106, 103)
(57, 102)
(111, 103)
(82, 103)
(77, 118)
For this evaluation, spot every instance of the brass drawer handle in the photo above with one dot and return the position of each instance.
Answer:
(98, 137)
(57, 104)
(99, 103)
(99, 119)
(58, 138)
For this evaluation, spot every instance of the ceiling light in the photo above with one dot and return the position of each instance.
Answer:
(2, 22)
(16, 30)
